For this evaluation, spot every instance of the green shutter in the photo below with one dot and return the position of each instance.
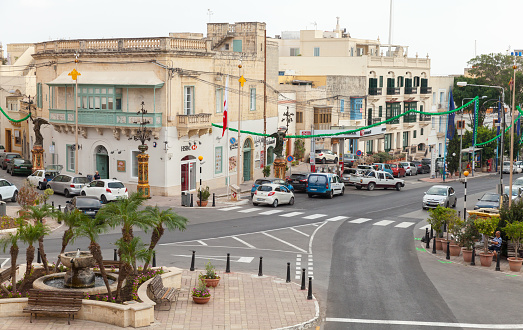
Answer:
(237, 46)
(381, 81)
(380, 111)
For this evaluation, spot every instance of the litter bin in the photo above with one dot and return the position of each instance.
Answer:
(186, 198)
(235, 193)
(3, 210)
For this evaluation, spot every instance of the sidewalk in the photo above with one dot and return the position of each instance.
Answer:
(454, 178)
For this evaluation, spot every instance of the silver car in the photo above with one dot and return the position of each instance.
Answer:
(67, 184)
(439, 195)
(410, 168)
(516, 193)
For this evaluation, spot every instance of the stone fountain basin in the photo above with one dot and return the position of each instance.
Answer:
(39, 284)
(85, 260)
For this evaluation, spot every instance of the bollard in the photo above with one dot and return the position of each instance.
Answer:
(260, 272)
(309, 294)
(38, 257)
(59, 208)
(473, 260)
(154, 258)
(192, 201)
(431, 233)
(444, 227)
(302, 279)
(288, 273)
(52, 205)
(213, 199)
(192, 261)
(459, 214)
(228, 265)
(427, 239)
(434, 245)
(115, 255)
(448, 251)
(497, 261)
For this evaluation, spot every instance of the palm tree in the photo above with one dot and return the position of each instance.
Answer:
(12, 240)
(38, 213)
(169, 218)
(130, 252)
(71, 220)
(29, 234)
(92, 228)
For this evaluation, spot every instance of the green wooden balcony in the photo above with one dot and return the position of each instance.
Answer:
(104, 118)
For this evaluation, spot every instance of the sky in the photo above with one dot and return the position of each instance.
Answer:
(451, 32)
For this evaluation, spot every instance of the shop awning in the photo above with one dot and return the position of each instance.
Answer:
(129, 79)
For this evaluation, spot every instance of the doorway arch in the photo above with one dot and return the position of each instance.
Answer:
(247, 159)
(102, 161)
(188, 173)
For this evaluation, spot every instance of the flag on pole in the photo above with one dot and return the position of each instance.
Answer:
(511, 84)
(225, 105)
(451, 118)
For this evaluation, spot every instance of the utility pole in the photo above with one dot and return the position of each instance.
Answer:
(512, 133)
(240, 89)
(76, 117)
(265, 99)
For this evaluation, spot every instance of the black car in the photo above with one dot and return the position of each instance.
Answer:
(298, 181)
(87, 204)
(422, 168)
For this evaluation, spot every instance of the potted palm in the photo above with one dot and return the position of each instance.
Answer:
(514, 231)
(455, 226)
(210, 278)
(203, 196)
(436, 219)
(200, 294)
(486, 226)
(467, 237)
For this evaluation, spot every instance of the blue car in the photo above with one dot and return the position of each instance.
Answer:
(326, 184)
(279, 181)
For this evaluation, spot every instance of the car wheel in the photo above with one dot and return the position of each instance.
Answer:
(15, 195)
(324, 161)
(255, 204)
(41, 186)
(83, 193)
(103, 199)
(48, 187)
(310, 195)
(398, 186)
(66, 193)
(275, 203)
(330, 194)
(291, 202)
(371, 186)
(342, 191)
(358, 187)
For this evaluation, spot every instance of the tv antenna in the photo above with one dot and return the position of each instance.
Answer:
(209, 13)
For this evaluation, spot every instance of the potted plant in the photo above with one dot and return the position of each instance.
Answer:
(514, 231)
(200, 294)
(455, 226)
(436, 219)
(467, 237)
(266, 171)
(203, 196)
(486, 226)
(210, 278)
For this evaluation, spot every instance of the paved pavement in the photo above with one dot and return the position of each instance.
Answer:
(454, 178)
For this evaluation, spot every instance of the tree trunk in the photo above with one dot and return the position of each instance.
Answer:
(42, 255)
(65, 241)
(29, 255)
(122, 274)
(14, 256)
(97, 254)
(4, 290)
(155, 238)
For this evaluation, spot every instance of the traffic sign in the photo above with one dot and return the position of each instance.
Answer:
(358, 153)
(232, 140)
(290, 158)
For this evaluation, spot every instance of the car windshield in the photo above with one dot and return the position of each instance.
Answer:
(519, 181)
(490, 198)
(318, 179)
(440, 191)
(297, 176)
(260, 181)
(87, 202)
(264, 188)
(115, 185)
(81, 179)
(393, 165)
(405, 164)
(19, 161)
(514, 191)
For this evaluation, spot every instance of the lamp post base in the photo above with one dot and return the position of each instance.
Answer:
(143, 172)
(38, 157)
(279, 168)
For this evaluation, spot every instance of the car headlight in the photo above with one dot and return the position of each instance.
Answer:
(476, 207)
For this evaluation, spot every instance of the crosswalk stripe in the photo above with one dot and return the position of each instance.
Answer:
(231, 208)
(338, 218)
(271, 212)
(284, 242)
(292, 214)
(360, 220)
(243, 242)
(383, 223)
(315, 216)
(249, 210)
(423, 228)
(404, 224)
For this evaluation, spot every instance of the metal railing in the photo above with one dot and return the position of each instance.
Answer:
(411, 90)
(425, 90)
(189, 120)
(393, 91)
(375, 91)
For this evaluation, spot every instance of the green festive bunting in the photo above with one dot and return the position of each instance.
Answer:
(14, 120)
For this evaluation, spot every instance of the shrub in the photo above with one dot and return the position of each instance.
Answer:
(203, 194)
(27, 196)
(267, 171)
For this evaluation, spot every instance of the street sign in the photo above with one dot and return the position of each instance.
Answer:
(232, 140)
(290, 158)
(313, 159)
(358, 153)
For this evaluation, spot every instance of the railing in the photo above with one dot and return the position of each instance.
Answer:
(376, 120)
(374, 90)
(322, 126)
(104, 118)
(395, 121)
(425, 90)
(423, 117)
(194, 120)
(411, 90)
(393, 91)
(410, 118)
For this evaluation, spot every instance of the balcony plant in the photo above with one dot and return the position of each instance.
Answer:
(486, 226)
(209, 277)
(514, 231)
(203, 196)
(200, 294)
(467, 237)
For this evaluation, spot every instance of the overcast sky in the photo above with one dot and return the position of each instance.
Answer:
(450, 31)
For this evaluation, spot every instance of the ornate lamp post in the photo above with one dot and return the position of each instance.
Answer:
(143, 134)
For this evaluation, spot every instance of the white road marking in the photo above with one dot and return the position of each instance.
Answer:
(383, 223)
(427, 324)
(359, 220)
(300, 232)
(243, 242)
(271, 212)
(292, 214)
(285, 242)
(423, 228)
(404, 224)
(231, 208)
(245, 260)
(5, 261)
(337, 218)
(202, 242)
(249, 210)
(315, 216)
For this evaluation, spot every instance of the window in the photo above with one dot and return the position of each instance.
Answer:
(416, 82)
(299, 117)
(342, 105)
(460, 124)
(380, 111)
(442, 98)
(218, 160)
(433, 97)
(381, 81)
(400, 81)
(237, 46)
(18, 139)
(252, 102)
(388, 142)
(411, 117)
(295, 52)
(421, 131)
(188, 100)
(414, 134)
(219, 100)
(39, 95)
(99, 98)
(281, 73)
(316, 51)
(134, 163)
(322, 116)
(433, 122)
(392, 110)
(352, 51)
(370, 144)
(13, 105)
(405, 139)
(226, 46)
(356, 108)
(70, 157)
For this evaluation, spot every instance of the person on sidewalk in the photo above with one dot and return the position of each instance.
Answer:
(97, 175)
(496, 243)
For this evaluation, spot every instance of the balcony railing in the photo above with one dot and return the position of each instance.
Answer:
(411, 90)
(376, 120)
(374, 90)
(395, 121)
(410, 118)
(194, 120)
(393, 91)
(425, 90)
(104, 118)
(423, 117)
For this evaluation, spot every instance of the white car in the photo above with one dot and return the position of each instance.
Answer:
(8, 191)
(272, 194)
(506, 168)
(323, 156)
(410, 168)
(39, 178)
(105, 190)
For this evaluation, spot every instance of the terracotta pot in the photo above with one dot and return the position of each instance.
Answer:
(515, 264)
(467, 255)
(455, 250)
(444, 245)
(439, 244)
(201, 300)
(202, 203)
(211, 282)
(486, 259)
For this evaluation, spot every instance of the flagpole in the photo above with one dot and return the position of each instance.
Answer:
(226, 107)
(445, 146)
(511, 159)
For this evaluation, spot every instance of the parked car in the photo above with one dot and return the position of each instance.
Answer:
(382, 167)
(39, 178)
(87, 204)
(518, 182)
(298, 181)
(323, 156)
(397, 170)
(410, 168)
(345, 176)
(19, 166)
(421, 168)
(279, 181)
(273, 194)
(365, 167)
(7, 156)
(349, 160)
(379, 179)
(427, 161)
(439, 195)
(8, 191)
(506, 168)
(491, 201)
(326, 184)
(105, 190)
(517, 191)
(67, 184)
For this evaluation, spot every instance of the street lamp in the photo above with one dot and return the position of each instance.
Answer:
(461, 135)
(465, 173)
(200, 158)
(464, 84)
(143, 134)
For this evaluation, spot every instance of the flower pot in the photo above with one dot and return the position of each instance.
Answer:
(201, 300)
(444, 245)
(211, 282)
(515, 264)
(455, 250)
(202, 203)
(467, 255)
(486, 259)
(439, 244)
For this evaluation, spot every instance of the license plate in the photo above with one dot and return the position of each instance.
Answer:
(313, 189)
(295, 181)
(259, 199)
(89, 212)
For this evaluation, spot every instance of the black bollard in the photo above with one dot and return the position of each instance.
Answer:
(427, 239)
(192, 261)
(52, 205)
(444, 227)
(38, 257)
(59, 208)
(302, 279)
(431, 233)
(228, 265)
(498, 258)
(434, 245)
(288, 273)
(192, 201)
(473, 260)
(154, 258)
(260, 271)
(309, 294)
(213, 199)
(448, 251)
(115, 255)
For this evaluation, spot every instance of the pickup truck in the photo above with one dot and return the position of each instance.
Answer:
(378, 179)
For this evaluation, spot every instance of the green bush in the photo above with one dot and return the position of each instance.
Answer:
(203, 194)
(381, 157)
(267, 171)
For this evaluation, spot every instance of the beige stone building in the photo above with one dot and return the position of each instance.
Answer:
(182, 80)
